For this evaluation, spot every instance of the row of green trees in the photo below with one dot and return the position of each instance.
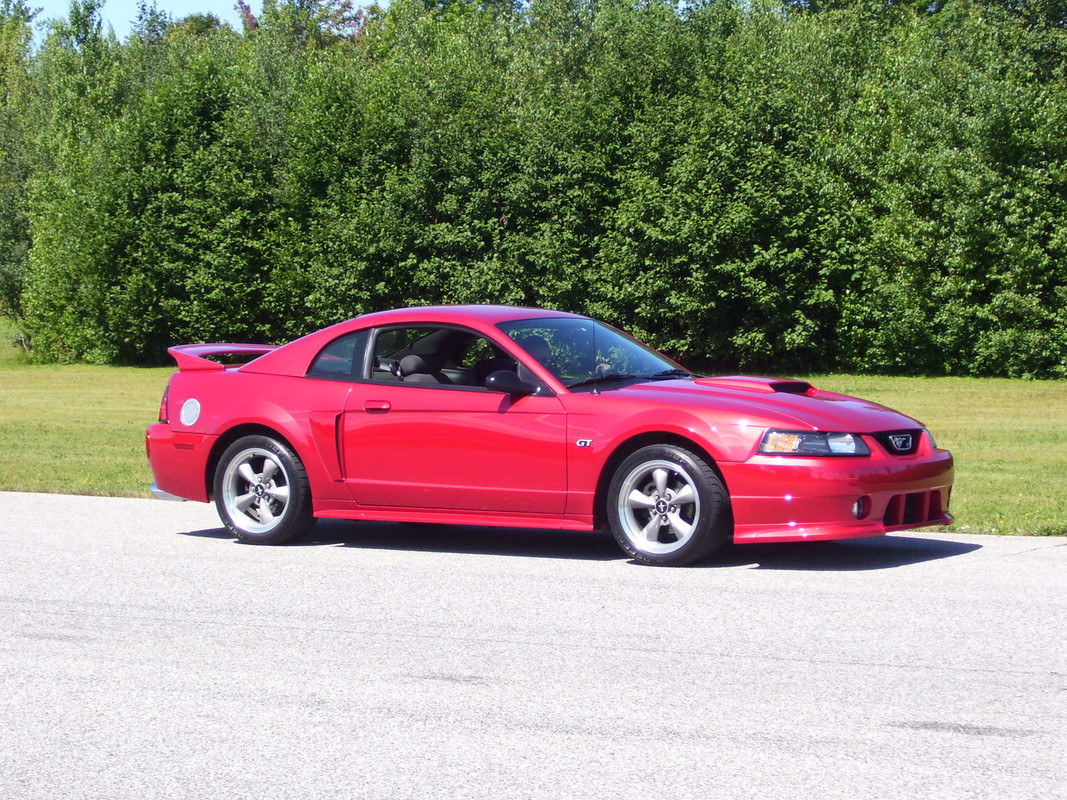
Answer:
(747, 184)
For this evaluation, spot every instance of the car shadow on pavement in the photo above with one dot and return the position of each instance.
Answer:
(526, 542)
(881, 552)
(432, 538)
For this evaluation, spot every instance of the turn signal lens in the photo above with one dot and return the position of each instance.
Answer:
(164, 412)
(812, 443)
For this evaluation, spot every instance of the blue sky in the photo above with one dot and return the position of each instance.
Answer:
(120, 14)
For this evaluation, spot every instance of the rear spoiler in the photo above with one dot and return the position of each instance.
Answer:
(197, 357)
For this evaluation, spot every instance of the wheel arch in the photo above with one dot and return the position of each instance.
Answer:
(631, 445)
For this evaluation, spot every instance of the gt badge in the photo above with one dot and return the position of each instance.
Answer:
(585, 442)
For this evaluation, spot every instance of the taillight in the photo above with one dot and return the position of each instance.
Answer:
(164, 411)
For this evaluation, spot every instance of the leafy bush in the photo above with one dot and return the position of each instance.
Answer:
(759, 186)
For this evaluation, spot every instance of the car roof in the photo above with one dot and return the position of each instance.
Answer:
(459, 314)
(294, 357)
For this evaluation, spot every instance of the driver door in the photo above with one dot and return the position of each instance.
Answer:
(452, 445)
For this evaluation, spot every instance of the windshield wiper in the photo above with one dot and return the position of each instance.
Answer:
(613, 377)
(670, 373)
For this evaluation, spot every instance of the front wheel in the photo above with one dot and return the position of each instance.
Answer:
(667, 506)
(262, 492)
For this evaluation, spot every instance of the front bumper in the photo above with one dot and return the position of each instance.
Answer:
(790, 500)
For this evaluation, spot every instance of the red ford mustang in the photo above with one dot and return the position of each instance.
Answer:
(520, 417)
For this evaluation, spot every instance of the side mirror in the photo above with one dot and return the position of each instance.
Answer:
(508, 382)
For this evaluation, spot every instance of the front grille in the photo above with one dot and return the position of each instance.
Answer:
(900, 443)
(915, 508)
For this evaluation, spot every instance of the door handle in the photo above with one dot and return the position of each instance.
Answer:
(376, 405)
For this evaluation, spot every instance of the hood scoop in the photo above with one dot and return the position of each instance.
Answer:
(755, 384)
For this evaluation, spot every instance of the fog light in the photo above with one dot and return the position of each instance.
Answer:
(861, 508)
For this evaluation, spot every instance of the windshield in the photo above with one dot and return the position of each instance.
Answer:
(584, 352)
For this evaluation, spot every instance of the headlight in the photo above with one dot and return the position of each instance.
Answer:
(933, 443)
(812, 443)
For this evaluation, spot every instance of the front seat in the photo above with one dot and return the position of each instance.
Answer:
(422, 369)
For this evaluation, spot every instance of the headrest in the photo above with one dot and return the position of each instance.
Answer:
(414, 364)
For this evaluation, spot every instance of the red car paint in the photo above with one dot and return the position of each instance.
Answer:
(381, 447)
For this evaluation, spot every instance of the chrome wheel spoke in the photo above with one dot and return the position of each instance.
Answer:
(651, 531)
(279, 493)
(244, 502)
(269, 468)
(679, 527)
(266, 516)
(638, 499)
(659, 477)
(249, 474)
(685, 496)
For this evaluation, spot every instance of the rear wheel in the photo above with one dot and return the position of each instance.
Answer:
(667, 506)
(262, 492)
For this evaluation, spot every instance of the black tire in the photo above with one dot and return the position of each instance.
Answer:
(666, 506)
(262, 492)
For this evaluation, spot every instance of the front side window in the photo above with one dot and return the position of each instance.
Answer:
(436, 356)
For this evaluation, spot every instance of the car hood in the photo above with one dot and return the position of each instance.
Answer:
(775, 400)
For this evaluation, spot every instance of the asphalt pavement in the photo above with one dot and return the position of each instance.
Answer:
(145, 654)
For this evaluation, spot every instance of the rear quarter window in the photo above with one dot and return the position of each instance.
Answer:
(342, 359)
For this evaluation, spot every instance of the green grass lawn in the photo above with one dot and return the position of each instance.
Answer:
(75, 429)
(80, 430)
